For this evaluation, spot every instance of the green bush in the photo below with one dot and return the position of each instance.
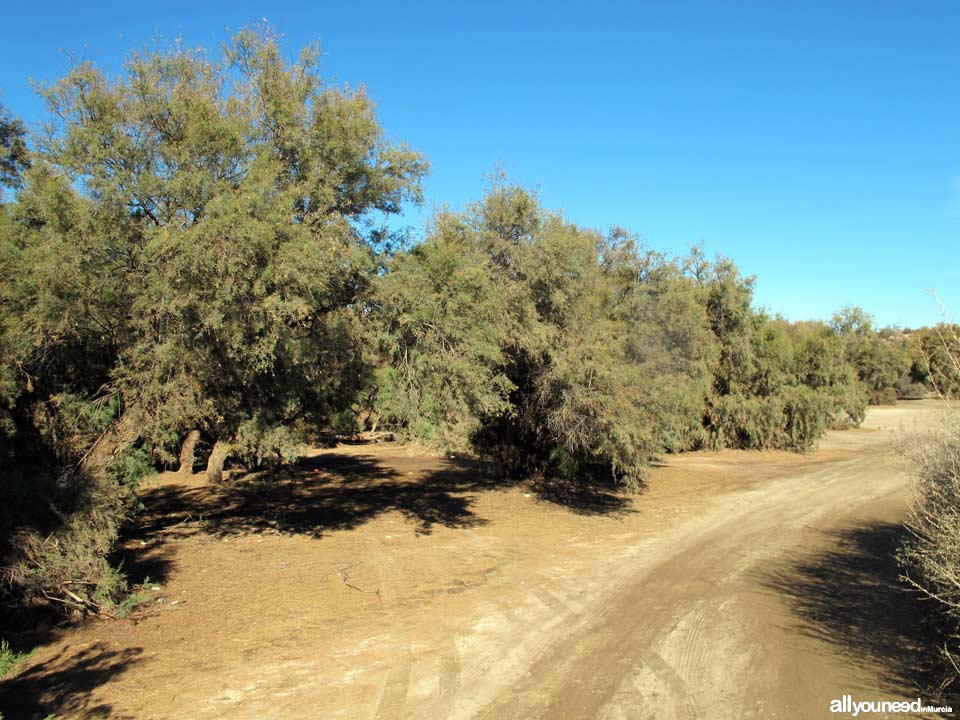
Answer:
(793, 419)
(564, 353)
(558, 351)
(886, 396)
(64, 560)
(935, 356)
(909, 390)
(10, 658)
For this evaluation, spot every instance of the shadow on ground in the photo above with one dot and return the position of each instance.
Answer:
(851, 597)
(336, 491)
(321, 494)
(61, 686)
(590, 498)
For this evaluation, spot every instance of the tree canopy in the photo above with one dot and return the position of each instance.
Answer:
(188, 249)
(196, 257)
(14, 156)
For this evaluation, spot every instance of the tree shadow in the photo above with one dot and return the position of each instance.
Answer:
(851, 597)
(337, 491)
(62, 685)
(585, 498)
(142, 560)
(321, 494)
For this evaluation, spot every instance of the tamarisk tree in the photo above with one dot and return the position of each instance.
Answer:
(235, 202)
(182, 258)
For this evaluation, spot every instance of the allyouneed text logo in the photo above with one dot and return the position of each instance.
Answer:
(849, 706)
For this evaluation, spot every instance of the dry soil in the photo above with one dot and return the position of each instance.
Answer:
(375, 584)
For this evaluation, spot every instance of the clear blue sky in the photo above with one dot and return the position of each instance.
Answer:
(817, 144)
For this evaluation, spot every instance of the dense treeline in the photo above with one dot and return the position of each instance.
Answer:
(196, 268)
(566, 353)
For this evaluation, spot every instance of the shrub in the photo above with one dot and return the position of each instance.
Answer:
(885, 396)
(560, 352)
(441, 319)
(793, 419)
(849, 403)
(10, 658)
(908, 390)
(931, 558)
(936, 359)
(68, 563)
(64, 507)
(879, 357)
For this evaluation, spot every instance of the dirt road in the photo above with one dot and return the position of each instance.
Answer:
(703, 625)
(739, 585)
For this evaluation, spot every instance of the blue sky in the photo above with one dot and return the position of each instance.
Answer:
(817, 144)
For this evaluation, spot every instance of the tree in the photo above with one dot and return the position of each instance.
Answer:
(880, 358)
(237, 195)
(187, 252)
(774, 386)
(14, 157)
(934, 356)
(442, 321)
(561, 352)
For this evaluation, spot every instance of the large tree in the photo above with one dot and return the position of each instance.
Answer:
(237, 197)
(560, 351)
(185, 254)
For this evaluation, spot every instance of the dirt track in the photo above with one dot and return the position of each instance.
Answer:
(739, 585)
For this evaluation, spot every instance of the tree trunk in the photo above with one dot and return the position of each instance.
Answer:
(187, 452)
(113, 442)
(221, 451)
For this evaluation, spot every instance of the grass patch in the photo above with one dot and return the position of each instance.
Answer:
(10, 658)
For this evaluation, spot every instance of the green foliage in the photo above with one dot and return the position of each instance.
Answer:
(199, 247)
(880, 359)
(556, 350)
(776, 385)
(239, 212)
(935, 354)
(14, 156)
(819, 363)
(907, 388)
(59, 551)
(10, 658)
(567, 354)
(623, 367)
(133, 600)
(268, 445)
(187, 251)
(442, 320)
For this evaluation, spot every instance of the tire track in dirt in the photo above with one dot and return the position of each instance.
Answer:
(394, 692)
(695, 652)
(665, 620)
(580, 674)
(680, 692)
(503, 636)
(449, 671)
(559, 608)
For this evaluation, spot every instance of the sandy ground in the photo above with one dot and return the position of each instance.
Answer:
(377, 585)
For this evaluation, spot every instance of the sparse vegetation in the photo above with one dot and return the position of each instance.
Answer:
(931, 557)
(10, 658)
